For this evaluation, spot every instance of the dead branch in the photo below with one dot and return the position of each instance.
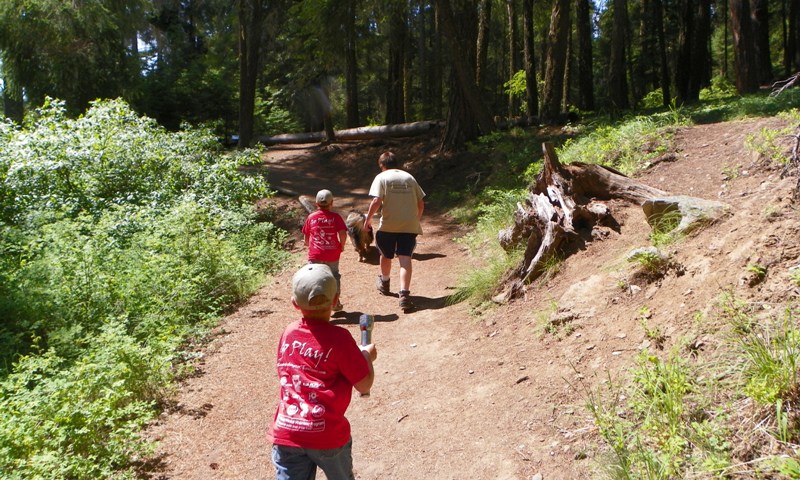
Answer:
(781, 85)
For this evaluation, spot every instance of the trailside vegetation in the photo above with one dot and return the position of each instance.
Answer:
(672, 415)
(122, 244)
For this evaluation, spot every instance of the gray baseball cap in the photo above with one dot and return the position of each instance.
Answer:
(324, 198)
(314, 287)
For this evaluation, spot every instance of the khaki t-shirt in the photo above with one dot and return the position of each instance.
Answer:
(400, 194)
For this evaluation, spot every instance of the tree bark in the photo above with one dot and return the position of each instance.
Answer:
(556, 61)
(743, 47)
(792, 44)
(467, 116)
(250, 32)
(531, 87)
(13, 107)
(482, 54)
(512, 51)
(351, 66)
(658, 6)
(693, 72)
(759, 11)
(585, 57)
(617, 81)
(397, 43)
(360, 133)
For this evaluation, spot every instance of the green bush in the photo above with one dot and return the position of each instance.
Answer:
(626, 146)
(119, 242)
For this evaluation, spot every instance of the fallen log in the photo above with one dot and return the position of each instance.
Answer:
(565, 204)
(361, 133)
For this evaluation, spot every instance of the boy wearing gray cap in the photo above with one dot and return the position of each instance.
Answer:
(319, 364)
(325, 233)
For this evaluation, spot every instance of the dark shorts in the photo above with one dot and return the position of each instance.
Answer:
(390, 243)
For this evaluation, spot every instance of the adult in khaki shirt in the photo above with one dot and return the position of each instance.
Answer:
(399, 197)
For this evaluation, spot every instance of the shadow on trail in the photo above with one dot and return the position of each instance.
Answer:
(426, 303)
(427, 256)
(352, 318)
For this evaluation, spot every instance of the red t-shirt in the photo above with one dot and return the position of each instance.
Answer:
(318, 364)
(322, 228)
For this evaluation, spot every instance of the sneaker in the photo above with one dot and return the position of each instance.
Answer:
(382, 285)
(338, 307)
(405, 301)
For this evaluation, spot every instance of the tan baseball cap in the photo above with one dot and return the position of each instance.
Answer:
(324, 198)
(314, 287)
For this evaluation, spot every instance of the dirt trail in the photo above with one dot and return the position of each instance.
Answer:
(218, 428)
(502, 396)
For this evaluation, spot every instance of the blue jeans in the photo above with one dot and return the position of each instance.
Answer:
(292, 463)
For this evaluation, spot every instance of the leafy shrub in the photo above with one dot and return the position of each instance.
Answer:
(775, 144)
(627, 146)
(119, 241)
(79, 420)
(110, 156)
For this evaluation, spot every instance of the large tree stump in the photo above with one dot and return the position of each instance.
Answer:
(565, 202)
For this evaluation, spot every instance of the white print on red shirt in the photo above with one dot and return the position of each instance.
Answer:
(302, 349)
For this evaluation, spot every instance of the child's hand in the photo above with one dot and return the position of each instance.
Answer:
(369, 351)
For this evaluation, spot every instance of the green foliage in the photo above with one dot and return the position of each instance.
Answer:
(626, 146)
(772, 357)
(493, 215)
(676, 417)
(111, 156)
(758, 105)
(794, 276)
(120, 241)
(651, 261)
(521, 152)
(518, 85)
(75, 51)
(663, 229)
(773, 144)
(721, 90)
(271, 117)
(655, 427)
(80, 419)
(652, 100)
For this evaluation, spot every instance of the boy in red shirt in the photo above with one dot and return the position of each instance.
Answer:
(319, 364)
(325, 233)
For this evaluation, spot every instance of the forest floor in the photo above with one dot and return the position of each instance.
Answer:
(501, 394)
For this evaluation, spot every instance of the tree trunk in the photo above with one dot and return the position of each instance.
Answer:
(743, 47)
(692, 72)
(556, 61)
(250, 31)
(512, 52)
(13, 107)
(759, 12)
(792, 44)
(585, 57)
(351, 66)
(658, 6)
(437, 81)
(360, 133)
(397, 43)
(617, 81)
(646, 62)
(467, 116)
(484, 20)
(531, 87)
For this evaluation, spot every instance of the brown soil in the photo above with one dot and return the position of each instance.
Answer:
(500, 395)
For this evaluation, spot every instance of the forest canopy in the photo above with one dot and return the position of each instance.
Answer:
(255, 67)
